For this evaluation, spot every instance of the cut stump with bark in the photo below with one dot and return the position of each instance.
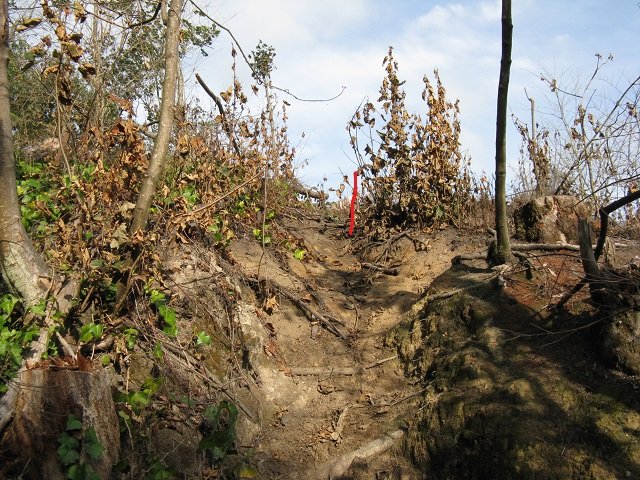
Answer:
(616, 293)
(550, 219)
(49, 395)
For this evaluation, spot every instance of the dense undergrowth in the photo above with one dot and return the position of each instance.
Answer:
(229, 174)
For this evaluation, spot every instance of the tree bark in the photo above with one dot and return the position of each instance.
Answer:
(23, 269)
(502, 252)
(166, 120)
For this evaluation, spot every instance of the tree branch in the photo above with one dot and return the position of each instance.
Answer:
(253, 70)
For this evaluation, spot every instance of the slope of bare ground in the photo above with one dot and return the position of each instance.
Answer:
(337, 397)
(359, 370)
(385, 362)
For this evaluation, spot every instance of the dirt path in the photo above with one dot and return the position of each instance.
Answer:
(336, 395)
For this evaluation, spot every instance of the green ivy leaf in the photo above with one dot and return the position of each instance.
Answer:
(68, 449)
(203, 339)
(169, 317)
(221, 439)
(157, 298)
(157, 351)
(91, 331)
(7, 304)
(39, 308)
(73, 423)
(16, 353)
(92, 446)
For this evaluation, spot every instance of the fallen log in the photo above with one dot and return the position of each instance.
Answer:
(314, 193)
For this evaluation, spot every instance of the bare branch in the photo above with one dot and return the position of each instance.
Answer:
(249, 64)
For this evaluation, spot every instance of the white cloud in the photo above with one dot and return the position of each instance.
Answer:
(491, 11)
(322, 46)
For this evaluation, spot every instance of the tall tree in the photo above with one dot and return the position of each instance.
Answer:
(23, 269)
(502, 252)
(166, 118)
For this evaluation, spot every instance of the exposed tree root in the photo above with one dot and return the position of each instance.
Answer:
(376, 447)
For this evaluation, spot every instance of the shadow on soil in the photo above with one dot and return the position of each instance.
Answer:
(510, 394)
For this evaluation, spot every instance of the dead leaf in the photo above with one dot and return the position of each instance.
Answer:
(271, 305)
(326, 389)
(49, 70)
(126, 206)
(87, 69)
(271, 349)
(61, 32)
(270, 328)
(119, 236)
(28, 23)
(79, 12)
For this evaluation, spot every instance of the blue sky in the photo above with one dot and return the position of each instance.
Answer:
(322, 46)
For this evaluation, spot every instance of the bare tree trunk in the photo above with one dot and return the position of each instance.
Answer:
(502, 252)
(166, 121)
(23, 269)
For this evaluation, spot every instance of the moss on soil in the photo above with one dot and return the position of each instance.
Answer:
(502, 405)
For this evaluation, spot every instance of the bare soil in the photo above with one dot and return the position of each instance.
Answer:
(486, 383)
(328, 414)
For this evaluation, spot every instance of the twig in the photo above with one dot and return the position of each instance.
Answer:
(451, 293)
(256, 74)
(323, 371)
(468, 256)
(66, 348)
(337, 431)
(222, 197)
(567, 296)
(330, 371)
(227, 125)
(312, 313)
(189, 362)
(380, 268)
(407, 397)
(391, 241)
(380, 362)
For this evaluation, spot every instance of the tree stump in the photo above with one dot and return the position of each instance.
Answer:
(616, 293)
(48, 395)
(549, 219)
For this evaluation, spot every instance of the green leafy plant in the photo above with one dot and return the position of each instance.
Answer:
(190, 194)
(261, 236)
(130, 337)
(168, 315)
(202, 338)
(37, 190)
(222, 234)
(14, 337)
(138, 400)
(299, 254)
(219, 429)
(157, 350)
(91, 332)
(76, 448)
(158, 471)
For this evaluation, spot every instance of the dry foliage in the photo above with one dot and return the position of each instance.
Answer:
(413, 172)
